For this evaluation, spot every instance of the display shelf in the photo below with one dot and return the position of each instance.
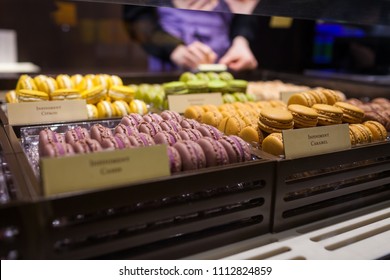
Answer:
(361, 234)
(311, 188)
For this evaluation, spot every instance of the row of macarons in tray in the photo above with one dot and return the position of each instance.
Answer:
(191, 145)
(364, 133)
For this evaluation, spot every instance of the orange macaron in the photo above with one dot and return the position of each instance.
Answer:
(275, 120)
(351, 113)
(328, 114)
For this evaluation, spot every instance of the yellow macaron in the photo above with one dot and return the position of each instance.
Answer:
(65, 94)
(27, 95)
(273, 144)
(92, 111)
(121, 108)
(138, 106)
(64, 81)
(94, 95)
(378, 131)
(11, 97)
(119, 92)
(231, 125)
(212, 118)
(105, 109)
(26, 82)
(47, 85)
(351, 113)
(303, 116)
(328, 114)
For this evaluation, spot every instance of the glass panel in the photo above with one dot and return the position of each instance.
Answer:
(352, 11)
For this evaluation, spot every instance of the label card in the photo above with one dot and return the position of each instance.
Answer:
(317, 140)
(285, 95)
(103, 169)
(46, 112)
(179, 103)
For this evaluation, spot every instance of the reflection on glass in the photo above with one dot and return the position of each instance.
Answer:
(234, 6)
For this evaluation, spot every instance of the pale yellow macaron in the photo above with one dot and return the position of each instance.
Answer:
(65, 94)
(119, 92)
(121, 108)
(64, 81)
(92, 111)
(105, 109)
(26, 82)
(47, 85)
(138, 106)
(114, 80)
(95, 94)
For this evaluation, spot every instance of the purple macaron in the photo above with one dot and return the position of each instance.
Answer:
(126, 129)
(214, 151)
(190, 134)
(174, 159)
(152, 117)
(171, 115)
(149, 128)
(57, 149)
(237, 149)
(132, 120)
(118, 141)
(76, 134)
(141, 140)
(48, 136)
(210, 131)
(100, 132)
(189, 123)
(191, 154)
(167, 137)
(170, 125)
(86, 146)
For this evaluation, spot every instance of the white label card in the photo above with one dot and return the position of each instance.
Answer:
(179, 103)
(314, 141)
(46, 112)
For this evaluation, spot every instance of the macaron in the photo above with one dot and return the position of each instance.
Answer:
(121, 108)
(94, 94)
(28, 95)
(217, 86)
(303, 116)
(86, 146)
(231, 125)
(319, 96)
(132, 120)
(189, 123)
(251, 135)
(166, 137)
(328, 114)
(228, 98)
(351, 113)
(118, 141)
(114, 80)
(150, 128)
(378, 131)
(212, 118)
(152, 117)
(92, 111)
(191, 154)
(64, 81)
(101, 79)
(57, 149)
(120, 92)
(77, 79)
(170, 125)
(47, 135)
(126, 129)
(26, 82)
(76, 134)
(47, 85)
(171, 115)
(100, 132)
(175, 87)
(197, 86)
(11, 96)
(237, 85)
(302, 98)
(138, 106)
(175, 162)
(65, 94)
(210, 131)
(194, 112)
(236, 148)
(105, 109)
(331, 96)
(144, 139)
(226, 76)
(273, 144)
(190, 134)
(187, 76)
(363, 134)
(214, 152)
(275, 120)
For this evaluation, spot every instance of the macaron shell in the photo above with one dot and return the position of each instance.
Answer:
(273, 144)
(231, 125)
(174, 159)
(99, 132)
(214, 152)
(194, 112)
(301, 98)
(303, 116)
(191, 154)
(212, 118)
(251, 135)
(351, 114)
(165, 137)
(209, 131)
(378, 131)
(149, 128)
(328, 114)
(190, 134)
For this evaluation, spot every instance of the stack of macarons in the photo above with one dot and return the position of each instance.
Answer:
(377, 109)
(105, 95)
(316, 96)
(191, 145)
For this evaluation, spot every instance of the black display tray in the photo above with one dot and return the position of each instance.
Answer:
(163, 218)
(317, 187)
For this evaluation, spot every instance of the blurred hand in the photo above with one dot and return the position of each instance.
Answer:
(242, 6)
(192, 55)
(239, 56)
(204, 5)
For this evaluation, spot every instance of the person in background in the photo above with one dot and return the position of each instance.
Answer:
(184, 38)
